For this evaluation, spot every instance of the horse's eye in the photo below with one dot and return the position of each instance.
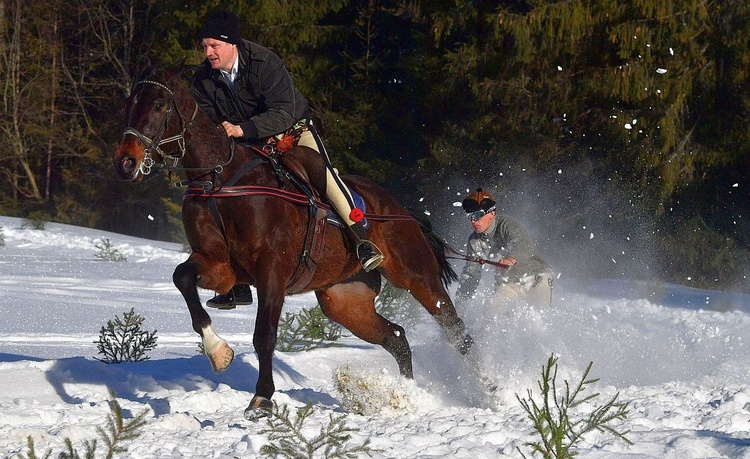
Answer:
(158, 104)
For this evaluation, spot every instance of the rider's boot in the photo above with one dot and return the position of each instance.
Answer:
(240, 294)
(369, 254)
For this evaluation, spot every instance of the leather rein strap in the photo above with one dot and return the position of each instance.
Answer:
(481, 261)
(295, 198)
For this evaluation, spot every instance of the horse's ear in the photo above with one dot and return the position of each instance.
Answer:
(139, 71)
(175, 72)
(143, 68)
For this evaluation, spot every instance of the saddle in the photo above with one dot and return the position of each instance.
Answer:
(286, 141)
(321, 214)
(319, 219)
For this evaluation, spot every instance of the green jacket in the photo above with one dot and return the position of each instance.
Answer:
(504, 238)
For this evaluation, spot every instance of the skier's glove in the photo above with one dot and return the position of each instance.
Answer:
(508, 261)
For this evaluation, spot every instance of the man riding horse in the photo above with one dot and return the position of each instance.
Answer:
(245, 88)
(247, 225)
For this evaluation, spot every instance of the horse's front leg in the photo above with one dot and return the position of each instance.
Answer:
(185, 278)
(270, 302)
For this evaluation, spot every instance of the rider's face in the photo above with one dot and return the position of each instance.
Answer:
(481, 225)
(219, 53)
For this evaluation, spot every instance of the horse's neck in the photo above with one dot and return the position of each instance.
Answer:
(207, 148)
(208, 152)
(206, 145)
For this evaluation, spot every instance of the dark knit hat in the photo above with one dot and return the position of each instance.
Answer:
(222, 25)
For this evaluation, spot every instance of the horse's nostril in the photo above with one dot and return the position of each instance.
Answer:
(128, 164)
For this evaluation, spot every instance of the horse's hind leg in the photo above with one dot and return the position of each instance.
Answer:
(423, 282)
(437, 302)
(185, 278)
(427, 288)
(352, 305)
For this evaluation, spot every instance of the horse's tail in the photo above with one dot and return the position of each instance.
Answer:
(439, 248)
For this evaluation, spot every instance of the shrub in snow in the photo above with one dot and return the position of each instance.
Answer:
(2, 237)
(36, 220)
(118, 432)
(107, 252)
(398, 305)
(286, 437)
(122, 340)
(307, 329)
(559, 428)
(368, 394)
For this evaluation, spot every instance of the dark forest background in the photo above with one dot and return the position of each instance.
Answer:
(616, 131)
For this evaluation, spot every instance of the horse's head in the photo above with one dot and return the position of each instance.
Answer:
(153, 118)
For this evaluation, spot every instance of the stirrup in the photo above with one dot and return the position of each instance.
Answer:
(369, 255)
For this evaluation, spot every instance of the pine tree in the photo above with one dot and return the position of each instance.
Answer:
(123, 340)
(627, 81)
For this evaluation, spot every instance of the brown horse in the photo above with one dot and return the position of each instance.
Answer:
(245, 223)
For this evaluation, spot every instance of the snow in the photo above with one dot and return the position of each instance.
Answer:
(678, 355)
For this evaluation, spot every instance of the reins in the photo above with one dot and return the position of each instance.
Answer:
(236, 191)
(229, 190)
(304, 200)
(205, 190)
(481, 261)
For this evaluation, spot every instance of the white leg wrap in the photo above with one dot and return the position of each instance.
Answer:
(211, 341)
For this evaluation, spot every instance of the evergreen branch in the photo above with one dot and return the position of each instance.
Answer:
(307, 329)
(31, 451)
(118, 432)
(553, 419)
(287, 440)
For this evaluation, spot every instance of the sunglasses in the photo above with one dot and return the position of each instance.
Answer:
(476, 215)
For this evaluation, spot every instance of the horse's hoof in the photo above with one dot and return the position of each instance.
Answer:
(221, 358)
(259, 408)
(490, 385)
(466, 345)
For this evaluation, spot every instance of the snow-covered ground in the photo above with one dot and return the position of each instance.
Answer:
(678, 355)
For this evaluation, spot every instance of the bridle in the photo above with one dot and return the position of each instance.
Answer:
(155, 144)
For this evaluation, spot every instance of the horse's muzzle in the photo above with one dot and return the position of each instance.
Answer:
(127, 168)
(127, 159)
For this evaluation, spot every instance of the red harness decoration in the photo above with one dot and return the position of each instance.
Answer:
(356, 215)
(287, 140)
(285, 143)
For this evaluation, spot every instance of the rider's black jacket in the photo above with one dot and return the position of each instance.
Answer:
(264, 101)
